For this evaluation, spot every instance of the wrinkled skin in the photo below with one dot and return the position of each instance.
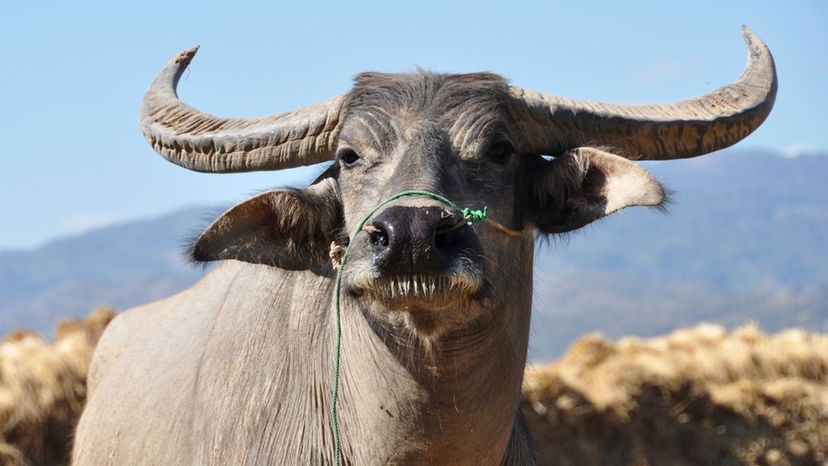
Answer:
(238, 369)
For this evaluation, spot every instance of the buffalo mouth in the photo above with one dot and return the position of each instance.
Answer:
(427, 292)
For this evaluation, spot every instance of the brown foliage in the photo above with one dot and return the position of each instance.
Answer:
(699, 396)
(43, 388)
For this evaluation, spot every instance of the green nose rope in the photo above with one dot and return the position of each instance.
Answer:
(471, 217)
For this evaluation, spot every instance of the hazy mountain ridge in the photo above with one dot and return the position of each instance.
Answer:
(744, 240)
(122, 265)
(740, 220)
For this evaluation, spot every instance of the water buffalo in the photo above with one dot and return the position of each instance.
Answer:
(239, 369)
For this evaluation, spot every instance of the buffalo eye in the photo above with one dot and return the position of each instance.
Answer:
(500, 151)
(348, 156)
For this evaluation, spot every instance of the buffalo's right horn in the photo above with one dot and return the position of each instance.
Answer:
(205, 143)
(655, 132)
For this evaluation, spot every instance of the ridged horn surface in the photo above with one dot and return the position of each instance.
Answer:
(684, 129)
(196, 140)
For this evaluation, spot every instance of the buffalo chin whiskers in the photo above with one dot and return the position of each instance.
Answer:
(418, 287)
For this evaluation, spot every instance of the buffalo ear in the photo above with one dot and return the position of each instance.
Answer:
(287, 228)
(584, 185)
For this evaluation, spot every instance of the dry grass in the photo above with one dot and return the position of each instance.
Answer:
(699, 396)
(42, 389)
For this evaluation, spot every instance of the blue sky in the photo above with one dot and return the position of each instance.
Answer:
(74, 74)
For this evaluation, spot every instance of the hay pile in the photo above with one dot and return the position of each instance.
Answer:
(43, 387)
(699, 396)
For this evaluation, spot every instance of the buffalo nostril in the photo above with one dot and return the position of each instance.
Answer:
(417, 239)
(378, 237)
(446, 236)
(445, 240)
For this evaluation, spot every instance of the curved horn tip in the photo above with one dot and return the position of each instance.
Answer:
(184, 58)
(750, 37)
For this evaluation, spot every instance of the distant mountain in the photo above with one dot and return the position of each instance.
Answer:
(120, 265)
(738, 220)
(745, 239)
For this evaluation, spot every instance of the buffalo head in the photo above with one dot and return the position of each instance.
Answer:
(539, 163)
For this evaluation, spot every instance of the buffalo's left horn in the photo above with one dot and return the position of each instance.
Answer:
(202, 142)
(655, 132)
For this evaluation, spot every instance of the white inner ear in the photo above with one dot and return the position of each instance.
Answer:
(627, 184)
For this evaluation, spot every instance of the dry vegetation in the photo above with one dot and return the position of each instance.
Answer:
(43, 387)
(699, 396)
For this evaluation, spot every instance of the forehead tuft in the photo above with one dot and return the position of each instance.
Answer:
(427, 92)
(470, 108)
